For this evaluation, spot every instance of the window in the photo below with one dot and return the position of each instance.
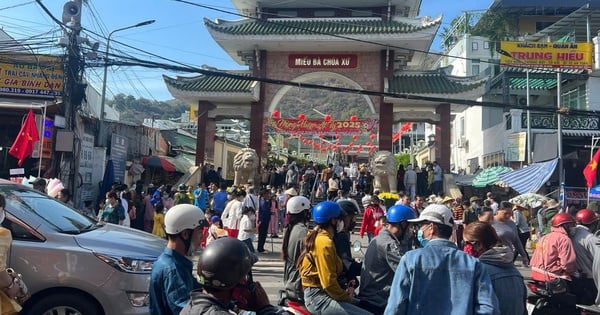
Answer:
(461, 126)
(474, 69)
(486, 45)
(575, 98)
(475, 46)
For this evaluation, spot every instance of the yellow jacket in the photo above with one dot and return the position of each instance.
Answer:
(321, 266)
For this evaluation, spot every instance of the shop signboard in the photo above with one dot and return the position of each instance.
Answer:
(31, 75)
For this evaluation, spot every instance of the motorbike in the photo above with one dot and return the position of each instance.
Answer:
(291, 306)
(545, 302)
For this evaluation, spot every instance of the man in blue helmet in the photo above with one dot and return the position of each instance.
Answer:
(382, 257)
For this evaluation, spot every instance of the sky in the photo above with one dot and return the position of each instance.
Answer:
(178, 34)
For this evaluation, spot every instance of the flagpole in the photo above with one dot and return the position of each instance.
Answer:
(43, 123)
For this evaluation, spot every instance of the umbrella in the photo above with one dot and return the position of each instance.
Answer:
(489, 176)
(531, 200)
(157, 162)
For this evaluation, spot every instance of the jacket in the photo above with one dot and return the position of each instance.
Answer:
(201, 303)
(585, 245)
(410, 177)
(554, 256)
(291, 276)
(370, 217)
(351, 268)
(440, 279)
(321, 267)
(506, 280)
(170, 283)
(379, 265)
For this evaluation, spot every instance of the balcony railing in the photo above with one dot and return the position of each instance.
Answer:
(549, 121)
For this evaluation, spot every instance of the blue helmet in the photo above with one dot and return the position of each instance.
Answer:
(399, 213)
(325, 211)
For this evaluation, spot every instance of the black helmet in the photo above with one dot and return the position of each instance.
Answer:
(223, 263)
(182, 187)
(348, 207)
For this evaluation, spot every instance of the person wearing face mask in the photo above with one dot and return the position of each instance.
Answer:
(172, 280)
(320, 266)
(497, 260)
(382, 257)
(554, 256)
(341, 239)
(113, 211)
(585, 246)
(439, 278)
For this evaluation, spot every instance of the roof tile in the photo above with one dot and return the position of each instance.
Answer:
(212, 83)
(294, 26)
(434, 82)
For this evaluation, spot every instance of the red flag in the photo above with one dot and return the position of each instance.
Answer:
(589, 172)
(23, 145)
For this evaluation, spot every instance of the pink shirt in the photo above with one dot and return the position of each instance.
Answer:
(554, 256)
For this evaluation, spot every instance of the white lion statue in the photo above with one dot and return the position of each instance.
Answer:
(384, 172)
(245, 165)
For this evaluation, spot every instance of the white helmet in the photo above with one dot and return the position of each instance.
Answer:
(182, 217)
(297, 204)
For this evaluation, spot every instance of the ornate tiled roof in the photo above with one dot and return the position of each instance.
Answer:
(318, 26)
(539, 78)
(432, 82)
(212, 83)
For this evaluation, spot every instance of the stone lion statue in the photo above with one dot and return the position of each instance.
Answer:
(384, 172)
(245, 165)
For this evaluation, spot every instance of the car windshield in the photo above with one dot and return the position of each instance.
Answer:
(23, 202)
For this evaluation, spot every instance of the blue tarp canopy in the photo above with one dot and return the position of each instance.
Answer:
(530, 179)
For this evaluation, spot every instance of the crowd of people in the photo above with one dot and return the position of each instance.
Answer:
(435, 255)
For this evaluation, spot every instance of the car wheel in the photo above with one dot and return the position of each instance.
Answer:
(65, 304)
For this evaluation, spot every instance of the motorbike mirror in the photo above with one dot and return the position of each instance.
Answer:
(357, 246)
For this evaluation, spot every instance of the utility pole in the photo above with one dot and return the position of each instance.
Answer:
(74, 89)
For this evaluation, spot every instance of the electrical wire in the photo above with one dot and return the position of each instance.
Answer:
(181, 67)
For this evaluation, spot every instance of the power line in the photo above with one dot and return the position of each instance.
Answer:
(349, 90)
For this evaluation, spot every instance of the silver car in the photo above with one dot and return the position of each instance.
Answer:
(71, 263)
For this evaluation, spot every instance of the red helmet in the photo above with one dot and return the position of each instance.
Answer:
(562, 218)
(586, 216)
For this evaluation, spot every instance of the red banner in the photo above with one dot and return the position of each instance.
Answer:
(321, 126)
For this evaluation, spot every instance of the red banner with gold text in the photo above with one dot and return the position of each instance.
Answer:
(321, 126)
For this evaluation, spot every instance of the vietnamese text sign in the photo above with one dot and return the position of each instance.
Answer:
(118, 154)
(544, 54)
(27, 75)
(321, 126)
(322, 61)
(515, 149)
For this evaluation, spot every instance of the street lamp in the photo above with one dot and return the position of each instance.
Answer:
(529, 139)
(103, 98)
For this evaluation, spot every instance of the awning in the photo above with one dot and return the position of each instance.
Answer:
(158, 162)
(530, 179)
(490, 176)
